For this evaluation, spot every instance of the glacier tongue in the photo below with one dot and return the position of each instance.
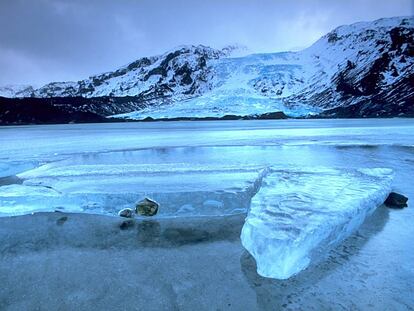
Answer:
(298, 215)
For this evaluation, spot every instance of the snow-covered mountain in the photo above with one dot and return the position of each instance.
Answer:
(180, 72)
(364, 69)
(16, 90)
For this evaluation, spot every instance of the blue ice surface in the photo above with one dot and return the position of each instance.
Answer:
(300, 214)
(202, 168)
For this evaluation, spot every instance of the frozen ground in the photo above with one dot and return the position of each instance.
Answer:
(196, 265)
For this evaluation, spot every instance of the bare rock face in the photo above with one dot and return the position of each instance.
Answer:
(147, 207)
(126, 212)
(396, 200)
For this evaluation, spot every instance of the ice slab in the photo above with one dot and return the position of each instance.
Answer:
(181, 189)
(10, 168)
(19, 200)
(298, 215)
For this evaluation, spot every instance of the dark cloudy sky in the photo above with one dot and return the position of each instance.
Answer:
(57, 40)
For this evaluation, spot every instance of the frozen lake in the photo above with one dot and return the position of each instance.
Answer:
(49, 142)
(100, 168)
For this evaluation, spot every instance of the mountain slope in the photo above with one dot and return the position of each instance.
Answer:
(360, 70)
(365, 65)
(374, 67)
(180, 72)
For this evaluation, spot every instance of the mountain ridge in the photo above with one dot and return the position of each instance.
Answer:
(366, 64)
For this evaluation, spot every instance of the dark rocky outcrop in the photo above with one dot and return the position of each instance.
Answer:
(18, 111)
(228, 117)
(396, 200)
(43, 111)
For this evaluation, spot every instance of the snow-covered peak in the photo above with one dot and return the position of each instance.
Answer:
(378, 25)
(366, 63)
(354, 64)
(17, 90)
(179, 72)
(363, 31)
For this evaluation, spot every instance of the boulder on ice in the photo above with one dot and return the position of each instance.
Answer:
(396, 200)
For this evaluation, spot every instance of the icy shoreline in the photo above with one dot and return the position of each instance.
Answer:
(293, 216)
(194, 263)
(91, 263)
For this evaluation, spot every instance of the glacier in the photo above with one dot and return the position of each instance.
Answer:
(299, 215)
(240, 87)
(300, 83)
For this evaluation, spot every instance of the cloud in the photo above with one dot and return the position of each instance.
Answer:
(49, 40)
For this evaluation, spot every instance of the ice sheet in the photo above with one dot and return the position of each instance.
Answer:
(298, 215)
(10, 168)
(107, 188)
(53, 142)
